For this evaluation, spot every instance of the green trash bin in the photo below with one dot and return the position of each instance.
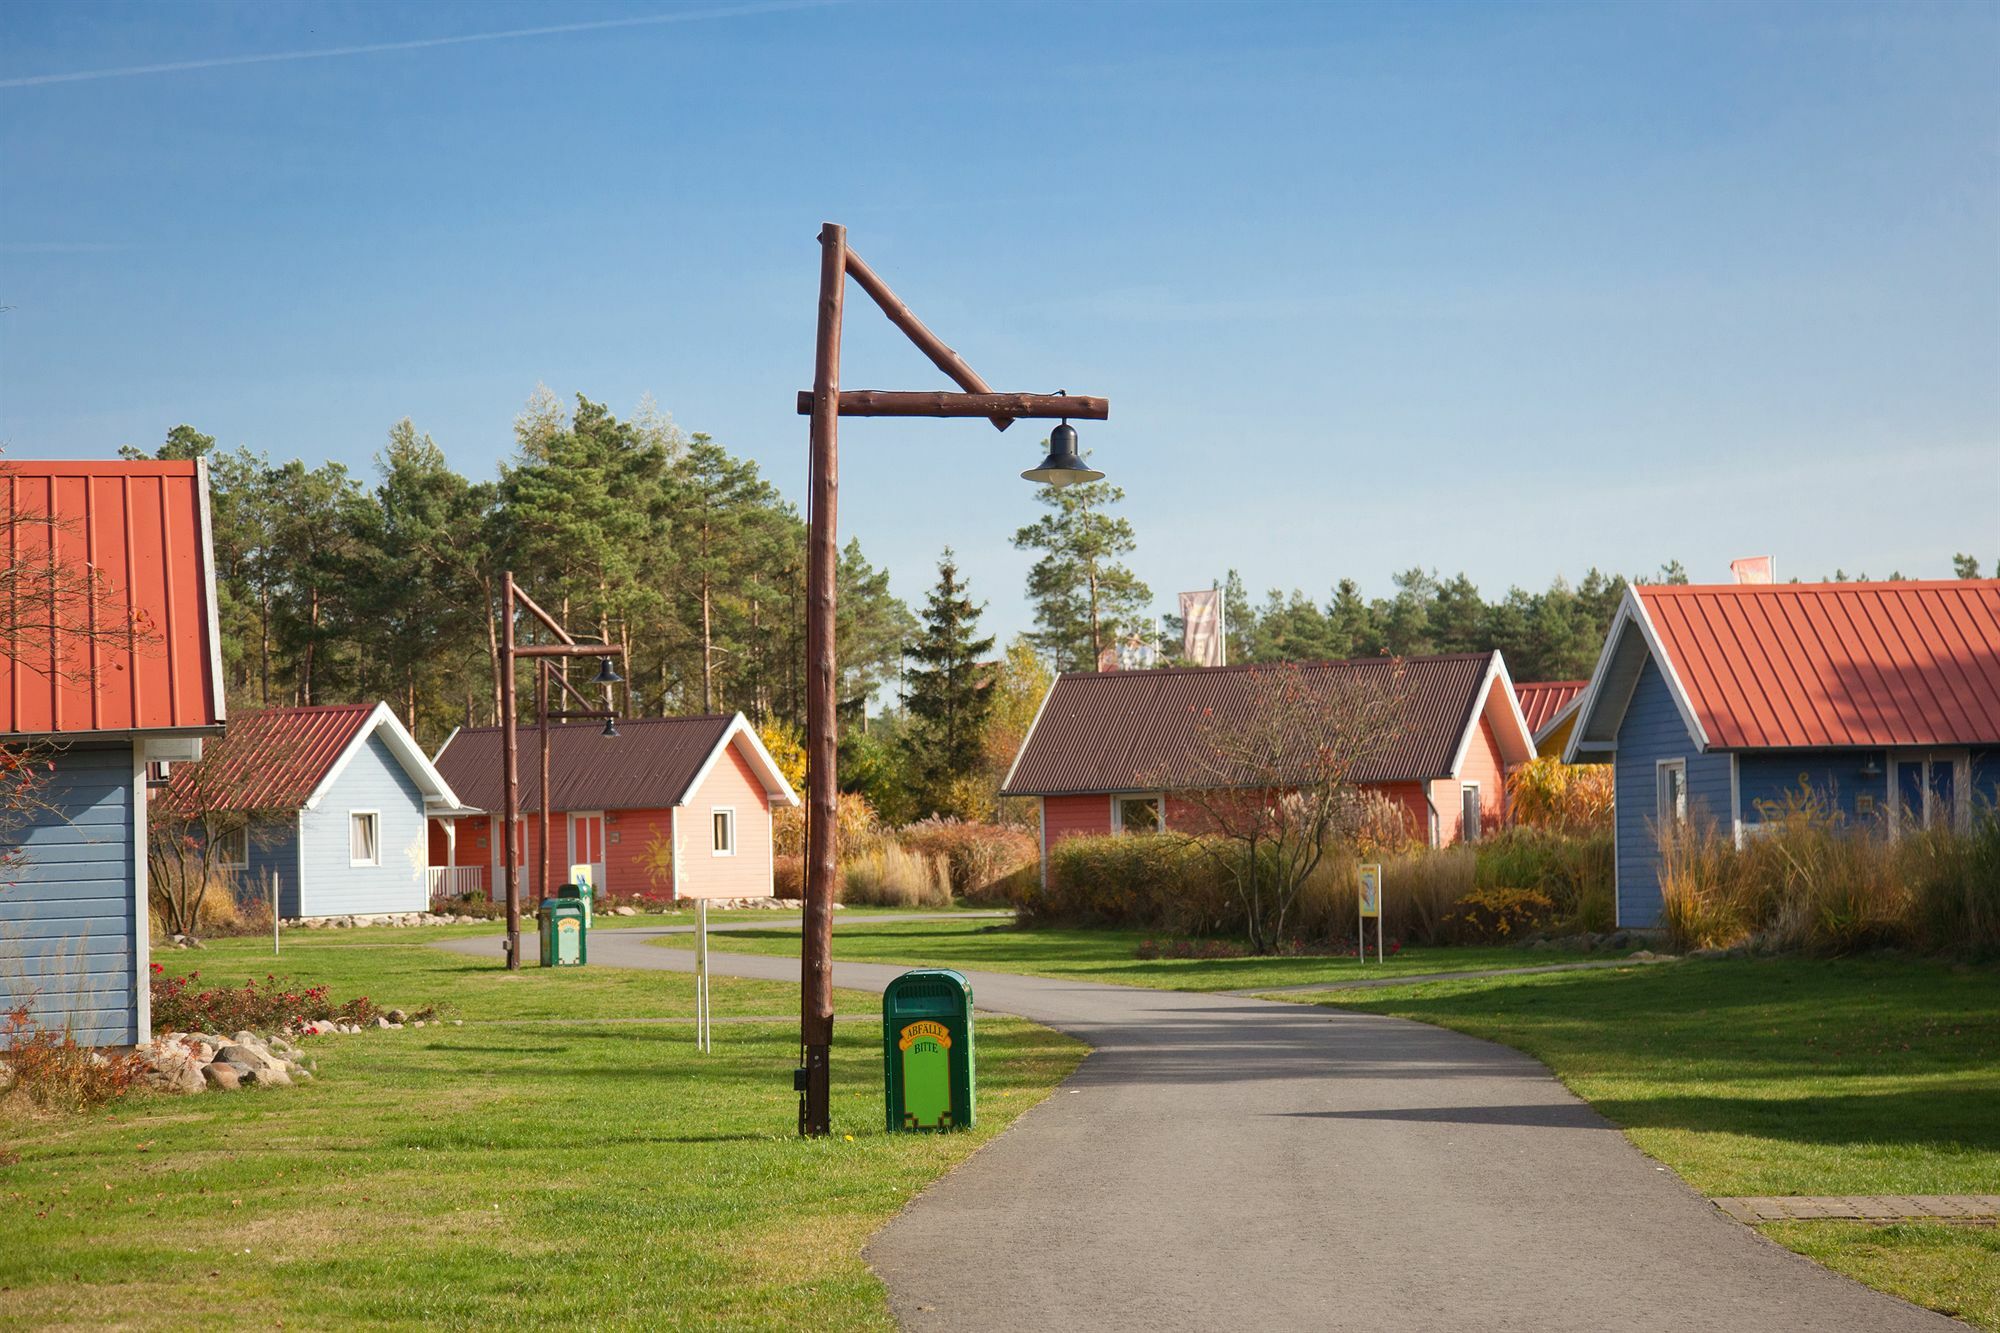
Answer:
(565, 937)
(927, 1056)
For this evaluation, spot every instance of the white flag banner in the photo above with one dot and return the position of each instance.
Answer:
(1137, 654)
(1201, 620)
(1754, 569)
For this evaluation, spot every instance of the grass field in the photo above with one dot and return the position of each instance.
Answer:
(1093, 954)
(512, 1172)
(1784, 1076)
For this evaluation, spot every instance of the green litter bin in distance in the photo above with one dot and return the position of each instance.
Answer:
(565, 938)
(927, 1055)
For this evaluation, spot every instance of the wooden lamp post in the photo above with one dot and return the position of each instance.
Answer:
(826, 404)
(544, 656)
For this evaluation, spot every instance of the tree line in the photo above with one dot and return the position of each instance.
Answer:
(331, 589)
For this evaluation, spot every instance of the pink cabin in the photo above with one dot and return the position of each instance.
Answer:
(1108, 752)
(670, 807)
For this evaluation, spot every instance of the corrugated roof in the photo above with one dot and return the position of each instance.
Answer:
(1799, 665)
(132, 647)
(648, 765)
(1144, 730)
(1542, 701)
(270, 760)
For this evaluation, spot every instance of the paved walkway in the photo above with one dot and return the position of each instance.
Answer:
(1228, 1163)
(1864, 1207)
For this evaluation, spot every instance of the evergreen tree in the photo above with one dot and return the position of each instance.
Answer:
(949, 700)
(1084, 596)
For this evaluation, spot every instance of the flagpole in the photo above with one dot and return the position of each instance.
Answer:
(1221, 619)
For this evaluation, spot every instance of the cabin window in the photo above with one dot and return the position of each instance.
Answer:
(1927, 787)
(1136, 814)
(233, 847)
(725, 832)
(1671, 787)
(364, 842)
(1469, 812)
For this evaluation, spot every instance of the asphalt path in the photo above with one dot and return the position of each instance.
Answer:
(1220, 1162)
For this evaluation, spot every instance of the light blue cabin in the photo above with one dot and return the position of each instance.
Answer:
(323, 811)
(1717, 706)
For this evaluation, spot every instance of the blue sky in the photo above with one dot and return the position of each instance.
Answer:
(1515, 289)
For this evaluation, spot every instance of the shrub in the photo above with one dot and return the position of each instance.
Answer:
(1145, 880)
(855, 826)
(1807, 880)
(270, 1005)
(888, 876)
(1422, 888)
(1567, 866)
(1381, 825)
(1498, 915)
(980, 856)
(59, 1075)
(1546, 793)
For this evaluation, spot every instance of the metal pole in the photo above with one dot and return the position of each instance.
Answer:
(822, 853)
(542, 701)
(510, 745)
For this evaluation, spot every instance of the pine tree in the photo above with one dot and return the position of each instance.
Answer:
(1084, 597)
(948, 696)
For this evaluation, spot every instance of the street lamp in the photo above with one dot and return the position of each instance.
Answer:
(825, 403)
(1064, 466)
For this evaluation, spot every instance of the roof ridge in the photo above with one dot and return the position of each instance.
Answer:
(1233, 667)
(1822, 587)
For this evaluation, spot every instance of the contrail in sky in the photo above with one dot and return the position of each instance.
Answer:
(328, 53)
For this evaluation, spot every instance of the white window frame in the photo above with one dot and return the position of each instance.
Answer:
(1471, 834)
(376, 817)
(1670, 819)
(230, 841)
(1961, 780)
(727, 813)
(1159, 800)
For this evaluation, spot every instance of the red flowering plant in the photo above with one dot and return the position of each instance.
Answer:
(273, 1004)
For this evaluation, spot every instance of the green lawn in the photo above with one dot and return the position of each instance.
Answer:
(1093, 954)
(1789, 1076)
(502, 1173)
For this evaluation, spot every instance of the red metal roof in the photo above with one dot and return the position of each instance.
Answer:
(272, 760)
(116, 560)
(1146, 730)
(648, 765)
(1542, 700)
(1799, 665)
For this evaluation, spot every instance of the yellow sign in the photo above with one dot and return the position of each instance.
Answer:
(566, 926)
(925, 1028)
(1371, 890)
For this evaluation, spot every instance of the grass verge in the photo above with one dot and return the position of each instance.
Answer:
(503, 1173)
(1781, 1076)
(1100, 954)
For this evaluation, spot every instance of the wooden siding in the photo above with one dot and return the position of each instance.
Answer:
(274, 855)
(1653, 730)
(1078, 816)
(730, 783)
(638, 852)
(72, 942)
(372, 780)
(1482, 765)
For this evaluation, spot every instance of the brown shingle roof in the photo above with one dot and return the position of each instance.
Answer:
(648, 765)
(1143, 730)
(270, 760)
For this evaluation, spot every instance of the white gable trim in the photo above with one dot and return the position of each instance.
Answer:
(1632, 611)
(1496, 677)
(215, 676)
(407, 752)
(773, 777)
(1568, 710)
(1033, 722)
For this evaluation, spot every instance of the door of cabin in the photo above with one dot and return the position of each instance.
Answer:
(586, 848)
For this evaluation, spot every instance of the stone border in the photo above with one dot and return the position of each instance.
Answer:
(1753, 1209)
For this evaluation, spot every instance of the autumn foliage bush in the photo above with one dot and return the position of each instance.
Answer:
(980, 857)
(57, 1073)
(270, 1005)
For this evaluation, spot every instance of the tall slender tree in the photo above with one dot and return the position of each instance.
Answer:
(949, 698)
(1084, 594)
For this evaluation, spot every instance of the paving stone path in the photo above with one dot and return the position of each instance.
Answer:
(1229, 1163)
(1864, 1207)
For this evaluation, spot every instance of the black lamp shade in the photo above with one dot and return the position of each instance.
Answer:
(611, 727)
(605, 674)
(1064, 466)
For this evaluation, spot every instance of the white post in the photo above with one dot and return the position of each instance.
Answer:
(271, 882)
(701, 1039)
